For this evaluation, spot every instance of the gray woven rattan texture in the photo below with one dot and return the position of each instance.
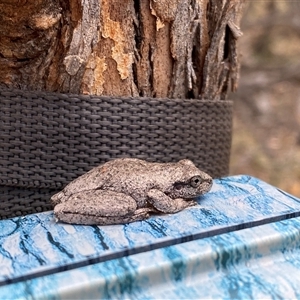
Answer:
(48, 139)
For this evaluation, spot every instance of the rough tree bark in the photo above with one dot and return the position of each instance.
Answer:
(155, 48)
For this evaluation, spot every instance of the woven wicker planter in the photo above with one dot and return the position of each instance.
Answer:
(48, 139)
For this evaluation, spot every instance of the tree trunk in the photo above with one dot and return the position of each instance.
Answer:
(154, 48)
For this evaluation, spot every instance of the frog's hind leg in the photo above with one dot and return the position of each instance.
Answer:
(139, 215)
(99, 207)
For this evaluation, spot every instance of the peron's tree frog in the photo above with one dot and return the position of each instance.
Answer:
(128, 189)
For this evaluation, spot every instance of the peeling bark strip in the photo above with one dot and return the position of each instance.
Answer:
(155, 48)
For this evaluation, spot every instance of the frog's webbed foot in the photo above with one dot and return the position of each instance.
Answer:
(164, 203)
(57, 198)
(99, 207)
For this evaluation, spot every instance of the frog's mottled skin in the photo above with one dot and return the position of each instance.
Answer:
(128, 189)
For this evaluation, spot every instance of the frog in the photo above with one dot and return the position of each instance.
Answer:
(125, 190)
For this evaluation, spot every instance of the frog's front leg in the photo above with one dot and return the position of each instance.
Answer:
(99, 207)
(165, 204)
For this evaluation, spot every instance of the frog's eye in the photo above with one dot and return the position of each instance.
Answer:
(195, 181)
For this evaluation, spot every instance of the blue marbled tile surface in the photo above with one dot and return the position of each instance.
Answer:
(262, 262)
(36, 245)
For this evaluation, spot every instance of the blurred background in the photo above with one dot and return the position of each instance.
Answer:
(266, 136)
